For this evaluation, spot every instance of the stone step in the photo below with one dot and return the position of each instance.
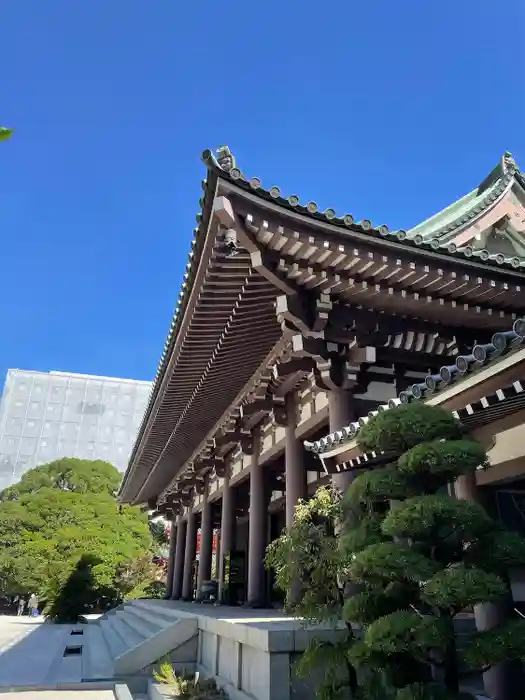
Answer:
(143, 627)
(129, 636)
(160, 608)
(114, 641)
(97, 661)
(153, 618)
(154, 647)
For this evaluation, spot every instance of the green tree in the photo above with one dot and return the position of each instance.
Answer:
(133, 576)
(423, 556)
(59, 513)
(418, 557)
(310, 571)
(158, 532)
(5, 133)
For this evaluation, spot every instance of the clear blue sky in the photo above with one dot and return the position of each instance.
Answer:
(388, 110)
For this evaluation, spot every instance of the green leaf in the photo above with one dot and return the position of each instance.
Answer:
(365, 533)
(365, 607)
(309, 552)
(460, 587)
(496, 645)
(442, 459)
(391, 561)
(498, 550)
(434, 517)
(406, 631)
(406, 426)
(376, 486)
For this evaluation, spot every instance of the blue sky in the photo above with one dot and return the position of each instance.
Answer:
(388, 110)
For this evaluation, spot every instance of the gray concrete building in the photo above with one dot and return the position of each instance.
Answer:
(48, 415)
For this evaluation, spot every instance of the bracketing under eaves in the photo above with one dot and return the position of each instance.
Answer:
(280, 296)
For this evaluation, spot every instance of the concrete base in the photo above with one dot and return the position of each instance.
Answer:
(249, 653)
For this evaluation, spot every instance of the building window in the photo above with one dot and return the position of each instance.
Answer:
(91, 408)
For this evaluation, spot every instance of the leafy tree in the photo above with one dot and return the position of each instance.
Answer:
(419, 557)
(5, 133)
(155, 589)
(309, 553)
(59, 513)
(159, 534)
(69, 474)
(134, 575)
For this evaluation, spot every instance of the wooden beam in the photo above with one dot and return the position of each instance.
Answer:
(305, 311)
(293, 366)
(256, 407)
(264, 261)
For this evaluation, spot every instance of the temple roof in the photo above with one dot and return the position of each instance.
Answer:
(466, 214)
(464, 366)
(230, 288)
(436, 233)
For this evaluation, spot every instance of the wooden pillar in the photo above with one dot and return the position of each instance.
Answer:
(295, 473)
(227, 538)
(257, 530)
(504, 681)
(340, 414)
(206, 548)
(215, 559)
(178, 568)
(189, 556)
(171, 560)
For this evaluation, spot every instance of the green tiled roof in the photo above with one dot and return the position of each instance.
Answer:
(445, 223)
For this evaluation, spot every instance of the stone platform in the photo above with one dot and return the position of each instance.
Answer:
(250, 653)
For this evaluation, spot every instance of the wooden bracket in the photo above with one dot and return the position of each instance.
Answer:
(220, 468)
(280, 413)
(286, 369)
(187, 498)
(247, 443)
(200, 486)
(304, 311)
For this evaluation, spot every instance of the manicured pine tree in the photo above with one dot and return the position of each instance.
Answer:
(419, 557)
(422, 556)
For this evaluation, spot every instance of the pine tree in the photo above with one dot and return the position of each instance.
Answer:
(418, 557)
(422, 556)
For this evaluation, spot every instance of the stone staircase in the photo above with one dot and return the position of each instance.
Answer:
(128, 640)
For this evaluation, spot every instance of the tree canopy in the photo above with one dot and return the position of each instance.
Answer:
(410, 559)
(5, 133)
(59, 513)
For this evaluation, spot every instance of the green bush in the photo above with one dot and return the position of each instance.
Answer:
(409, 559)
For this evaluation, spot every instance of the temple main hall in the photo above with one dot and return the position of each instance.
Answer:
(293, 327)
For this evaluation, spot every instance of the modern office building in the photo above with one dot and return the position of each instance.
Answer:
(48, 415)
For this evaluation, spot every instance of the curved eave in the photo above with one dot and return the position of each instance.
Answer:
(194, 259)
(220, 172)
(465, 212)
(347, 222)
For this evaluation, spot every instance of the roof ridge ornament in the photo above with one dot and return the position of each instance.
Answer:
(508, 162)
(225, 159)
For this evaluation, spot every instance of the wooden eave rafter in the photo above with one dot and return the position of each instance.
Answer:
(381, 281)
(289, 247)
(251, 188)
(229, 360)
